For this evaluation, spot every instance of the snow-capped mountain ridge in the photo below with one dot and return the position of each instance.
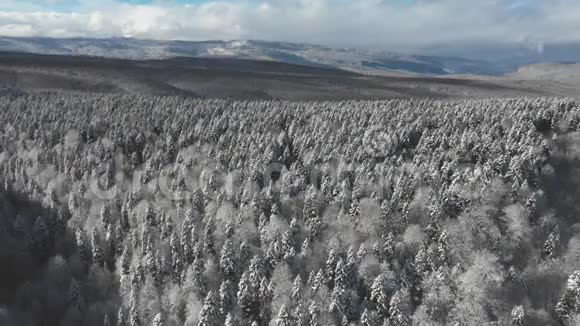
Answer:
(361, 60)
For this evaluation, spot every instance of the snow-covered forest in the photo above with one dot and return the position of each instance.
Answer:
(131, 210)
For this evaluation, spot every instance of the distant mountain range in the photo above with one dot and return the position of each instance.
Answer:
(441, 60)
(509, 57)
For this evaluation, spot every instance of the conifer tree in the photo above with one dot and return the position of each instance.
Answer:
(297, 291)
(229, 320)
(313, 314)
(158, 320)
(248, 289)
(134, 317)
(150, 218)
(121, 321)
(518, 316)
(379, 295)
(227, 262)
(552, 244)
(176, 260)
(209, 315)
(208, 242)
(398, 311)
(227, 295)
(105, 217)
(330, 265)
(284, 317)
(126, 261)
(567, 306)
(367, 318)
(340, 275)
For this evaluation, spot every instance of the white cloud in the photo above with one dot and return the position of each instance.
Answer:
(334, 22)
(17, 30)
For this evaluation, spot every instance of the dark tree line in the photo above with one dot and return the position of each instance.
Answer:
(135, 210)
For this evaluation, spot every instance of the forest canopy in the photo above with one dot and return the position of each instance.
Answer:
(140, 210)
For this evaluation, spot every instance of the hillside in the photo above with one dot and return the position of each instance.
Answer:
(292, 53)
(560, 72)
(235, 78)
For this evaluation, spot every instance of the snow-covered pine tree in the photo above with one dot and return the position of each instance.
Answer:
(209, 315)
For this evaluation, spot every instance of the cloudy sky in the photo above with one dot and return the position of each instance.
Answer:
(330, 22)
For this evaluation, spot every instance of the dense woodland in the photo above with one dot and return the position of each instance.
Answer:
(132, 210)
